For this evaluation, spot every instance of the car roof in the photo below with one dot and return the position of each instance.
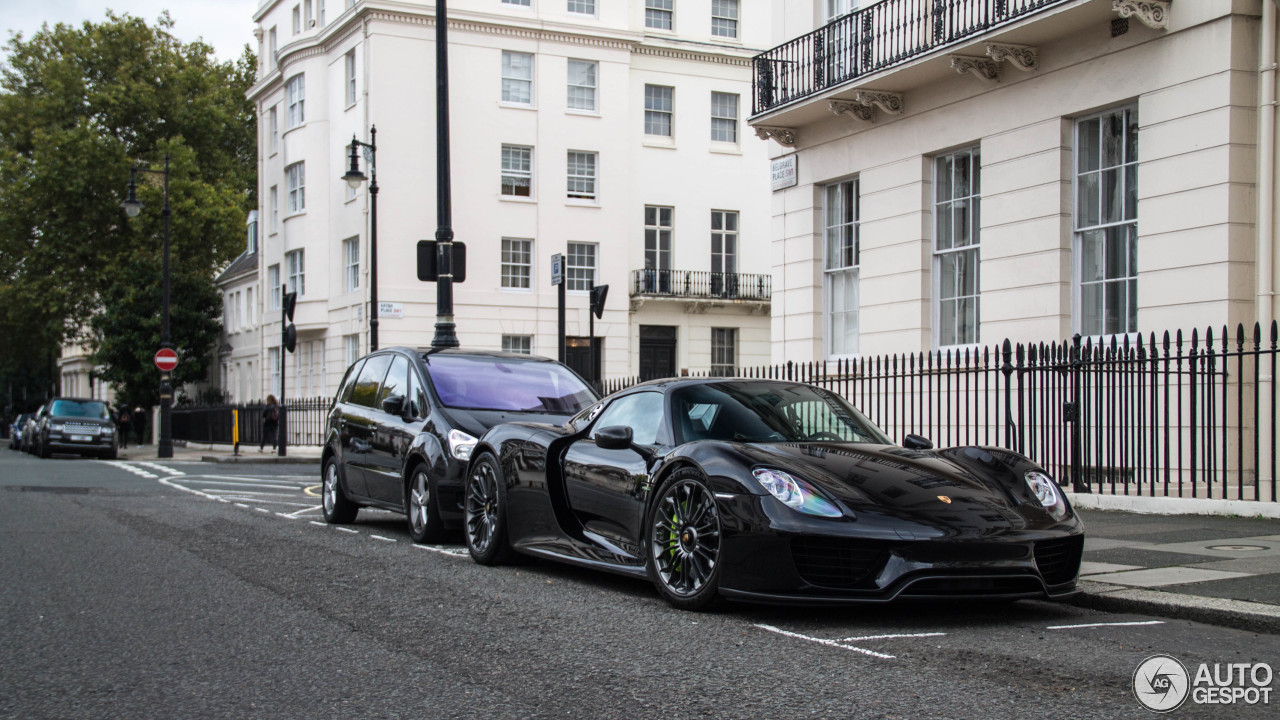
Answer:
(426, 353)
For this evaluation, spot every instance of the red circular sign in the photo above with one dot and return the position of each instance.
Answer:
(166, 359)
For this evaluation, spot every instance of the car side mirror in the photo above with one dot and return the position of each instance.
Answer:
(917, 442)
(615, 437)
(393, 405)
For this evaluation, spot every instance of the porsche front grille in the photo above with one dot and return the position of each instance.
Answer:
(843, 563)
(1059, 559)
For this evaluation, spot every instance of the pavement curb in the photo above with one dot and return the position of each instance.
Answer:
(259, 460)
(1174, 505)
(1236, 614)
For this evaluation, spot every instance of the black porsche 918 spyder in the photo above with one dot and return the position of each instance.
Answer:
(767, 491)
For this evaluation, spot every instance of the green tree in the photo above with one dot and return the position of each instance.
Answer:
(78, 107)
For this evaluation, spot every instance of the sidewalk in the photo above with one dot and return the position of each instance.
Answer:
(195, 452)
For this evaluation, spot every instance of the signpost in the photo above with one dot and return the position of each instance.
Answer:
(557, 279)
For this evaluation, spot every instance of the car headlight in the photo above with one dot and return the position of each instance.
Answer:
(55, 427)
(795, 493)
(461, 444)
(108, 431)
(1046, 491)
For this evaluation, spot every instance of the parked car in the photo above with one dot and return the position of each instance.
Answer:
(15, 430)
(768, 491)
(28, 444)
(77, 426)
(403, 423)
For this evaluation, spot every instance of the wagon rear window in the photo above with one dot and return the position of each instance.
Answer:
(493, 383)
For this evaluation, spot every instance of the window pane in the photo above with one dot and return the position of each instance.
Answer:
(1088, 153)
(1088, 210)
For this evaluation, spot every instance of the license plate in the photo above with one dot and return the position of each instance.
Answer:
(81, 438)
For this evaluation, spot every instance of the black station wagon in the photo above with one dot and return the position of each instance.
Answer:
(404, 422)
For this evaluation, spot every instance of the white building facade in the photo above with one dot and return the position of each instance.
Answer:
(612, 133)
(1025, 170)
(237, 361)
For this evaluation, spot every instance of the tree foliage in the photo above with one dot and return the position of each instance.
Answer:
(78, 107)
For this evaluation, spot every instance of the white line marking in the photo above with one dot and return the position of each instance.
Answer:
(296, 513)
(828, 643)
(262, 510)
(379, 537)
(354, 532)
(286, 517)
(161, 468)
(1114, 624)
(315, 522)
(129, 468)
(242, 484)
(176, 486)
(889, 637)
(451, 552)
(242, 505)
(256, 479)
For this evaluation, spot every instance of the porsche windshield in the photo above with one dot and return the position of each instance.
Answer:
(750, 411)
(494, 383)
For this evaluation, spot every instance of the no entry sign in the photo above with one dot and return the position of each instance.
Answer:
(166, 359)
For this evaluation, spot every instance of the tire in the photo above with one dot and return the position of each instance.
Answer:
(43, 451)
(484, 513)
(422, 506)
(684, 542)
(337, 508)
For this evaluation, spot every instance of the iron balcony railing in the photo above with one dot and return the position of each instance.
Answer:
(874, 38)
(697, 284)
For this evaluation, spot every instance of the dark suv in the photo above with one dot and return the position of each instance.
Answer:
(75, 425)
(404, 422)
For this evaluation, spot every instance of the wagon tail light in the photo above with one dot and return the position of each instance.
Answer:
(461, 445)
(795, 493)
(1046, 491)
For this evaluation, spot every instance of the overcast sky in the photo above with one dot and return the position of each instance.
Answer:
(225, 24)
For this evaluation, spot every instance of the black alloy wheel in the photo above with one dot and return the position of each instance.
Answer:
(422, 507)
(337, 508)
(485, 513)
(684, 542)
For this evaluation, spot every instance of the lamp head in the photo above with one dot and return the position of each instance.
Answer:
(132, 206)
(354, 177)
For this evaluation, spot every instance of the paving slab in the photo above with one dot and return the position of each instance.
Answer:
(1158, 577)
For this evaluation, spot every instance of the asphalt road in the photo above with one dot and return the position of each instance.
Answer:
(163, 590)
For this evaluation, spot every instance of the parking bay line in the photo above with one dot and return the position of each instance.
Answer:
(823, 641)
(241, 484)
(1114, 624)
(161, 468)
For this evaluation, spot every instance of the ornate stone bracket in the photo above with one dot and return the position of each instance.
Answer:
(1152, 13)
(857, 111)
(785, 137)
(985, 69)
(1023, 57)
(889, 102)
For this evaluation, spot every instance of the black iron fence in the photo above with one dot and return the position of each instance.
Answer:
(702, 284)
(873, 38)
(1175, 416)
(305, 422)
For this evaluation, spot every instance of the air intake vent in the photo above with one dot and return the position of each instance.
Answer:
(1059, 560)
(843, 563)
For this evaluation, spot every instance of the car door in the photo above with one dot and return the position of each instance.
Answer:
(391, 437)
(360, 424)
(607, 488)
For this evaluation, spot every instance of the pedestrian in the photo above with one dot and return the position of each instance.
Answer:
(140, 425)
(270, 422)
(123, 420)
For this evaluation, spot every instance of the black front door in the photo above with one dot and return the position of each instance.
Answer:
(657, 352)
(578, 356)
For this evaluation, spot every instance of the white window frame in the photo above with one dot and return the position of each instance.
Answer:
(320, 12)
(296, 177)
(724, 352)
(724, 120)
(659, 111)
(349, 67)
(836, 8)
(580, 276)
(660, 15)
(296, 99)
(297, 19)
(724, 19)
(308, 17)
(951, 208)
(1126, 173)
(516, 264)
(513, 79)
(581, 7)
(588, 88)
(273, 45)
(658, 234)
(582, 176)
(517, 166)
(275, 208)
(350, 349)
(274, 121)
(518, 3)
(273, 287)
(724, 243)
(251, 310)
(351, 263)
(841, 268)
(251, 233)
(522, 344)
(296, 260)
(273, 359)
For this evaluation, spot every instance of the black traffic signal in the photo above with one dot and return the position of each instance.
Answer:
(427, 261)
(598, 294)
(290, 336)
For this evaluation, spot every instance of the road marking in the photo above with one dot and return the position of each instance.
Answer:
(822, 641)
(242, 505)
(312, 490)
(262, 510)
(129, 468)
(451, 552)
(348, 530)
(161, 468)
(286, 517)
(889, 637)
(309, 508)
(379, 537)
(1114, 624)
(241, 484)
(316, 522)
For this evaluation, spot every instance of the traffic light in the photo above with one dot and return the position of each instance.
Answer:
(598, 294)
(290, 339)
(428, 254)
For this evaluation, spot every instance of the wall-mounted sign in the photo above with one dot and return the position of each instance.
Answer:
(783, 173)
(390, 310)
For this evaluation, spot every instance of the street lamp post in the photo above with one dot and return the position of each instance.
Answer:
(354, 178)
(132, 206)
(445, 336)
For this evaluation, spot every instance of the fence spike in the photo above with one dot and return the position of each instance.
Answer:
(1273, 334)
(1257, 336)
